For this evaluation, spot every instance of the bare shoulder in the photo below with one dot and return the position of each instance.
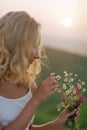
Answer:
(33, 87)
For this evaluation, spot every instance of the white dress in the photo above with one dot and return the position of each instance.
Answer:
(11, 108)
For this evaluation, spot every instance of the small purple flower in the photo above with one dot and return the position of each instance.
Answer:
(83, 98)
(76, 104)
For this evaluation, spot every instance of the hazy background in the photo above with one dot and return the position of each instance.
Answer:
(66, 46)
(51, 13)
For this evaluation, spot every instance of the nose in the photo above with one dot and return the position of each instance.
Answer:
(36, 54)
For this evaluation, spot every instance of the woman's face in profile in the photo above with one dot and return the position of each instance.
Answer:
(34, 55)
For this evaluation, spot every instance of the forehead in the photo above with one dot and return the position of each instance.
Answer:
(37, 40)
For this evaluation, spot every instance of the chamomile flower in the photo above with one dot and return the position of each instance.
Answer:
(58, 109)
(70, 74)
(83, 89)
(58, 76)
(83, 83)
(65, 72)
(75, 75)
(79, 86)
(71, 86)
(52, 74)
(66, 80)
(74, 91)
(71, 80)
(64, 86)
(67, 92)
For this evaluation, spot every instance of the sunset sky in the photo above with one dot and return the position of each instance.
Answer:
(53, 14)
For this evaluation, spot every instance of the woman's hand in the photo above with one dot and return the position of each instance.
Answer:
(60, 121)
(46, 89)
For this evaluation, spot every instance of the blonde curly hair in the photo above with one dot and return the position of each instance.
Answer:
(19, 35)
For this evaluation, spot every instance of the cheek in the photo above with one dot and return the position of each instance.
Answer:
(31, 59)
(32, 54)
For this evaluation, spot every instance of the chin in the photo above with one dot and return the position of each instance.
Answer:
(31, 62)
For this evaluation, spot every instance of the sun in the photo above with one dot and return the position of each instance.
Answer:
(67, 22)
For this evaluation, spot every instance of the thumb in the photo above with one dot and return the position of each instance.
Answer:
(72, 113)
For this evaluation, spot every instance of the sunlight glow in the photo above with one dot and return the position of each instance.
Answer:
(67, 22)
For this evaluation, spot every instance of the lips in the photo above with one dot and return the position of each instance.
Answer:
(31, 61)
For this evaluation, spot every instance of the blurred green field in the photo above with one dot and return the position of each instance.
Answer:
(58, 62)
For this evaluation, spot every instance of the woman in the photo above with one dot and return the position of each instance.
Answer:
(20, 63)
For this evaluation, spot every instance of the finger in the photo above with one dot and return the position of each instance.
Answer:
(53, 80)
(54, 87)
(53, 90)
(63, 112)
(71, 113)
(77, 114)
(76, 118)
(54, 77)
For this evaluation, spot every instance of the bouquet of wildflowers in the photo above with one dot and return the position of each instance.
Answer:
(71, 89)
